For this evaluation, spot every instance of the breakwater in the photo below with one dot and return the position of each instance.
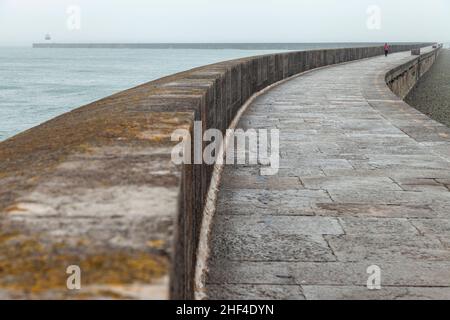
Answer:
(363, 185)
(212, 46)
(97, 185)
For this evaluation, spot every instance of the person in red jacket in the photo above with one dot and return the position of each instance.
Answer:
(386, 49)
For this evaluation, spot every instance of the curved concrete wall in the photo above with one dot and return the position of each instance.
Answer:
(404, 77)
(102, 174)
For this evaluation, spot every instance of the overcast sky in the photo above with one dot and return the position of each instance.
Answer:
(23, 22)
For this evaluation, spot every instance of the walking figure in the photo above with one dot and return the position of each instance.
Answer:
(386, 49)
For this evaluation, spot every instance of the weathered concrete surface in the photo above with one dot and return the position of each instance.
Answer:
(364, 180)
(104, 201)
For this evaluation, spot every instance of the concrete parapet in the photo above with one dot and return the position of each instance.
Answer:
(404, 77)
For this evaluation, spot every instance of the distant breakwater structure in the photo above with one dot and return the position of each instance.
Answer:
(211, 46)
(96, 187)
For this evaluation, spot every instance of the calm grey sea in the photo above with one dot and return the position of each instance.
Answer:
(39, 84)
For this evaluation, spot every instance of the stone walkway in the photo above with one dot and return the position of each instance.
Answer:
(364, 180)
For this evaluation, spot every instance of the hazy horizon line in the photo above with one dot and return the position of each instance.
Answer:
(30, 45)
